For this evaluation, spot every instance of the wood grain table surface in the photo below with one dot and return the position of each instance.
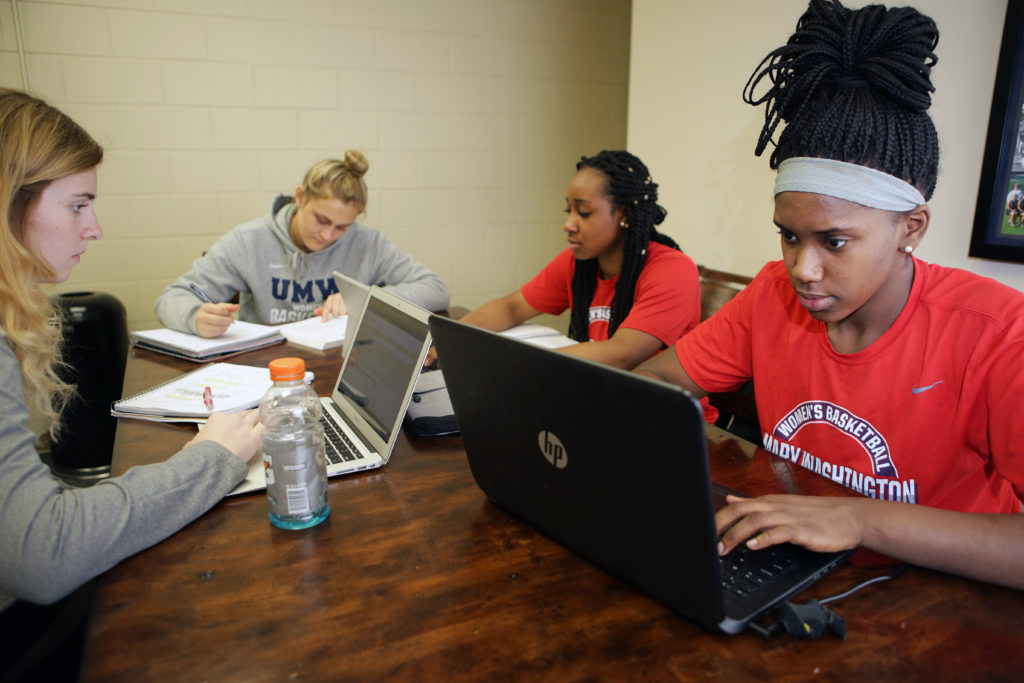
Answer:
(416, 576)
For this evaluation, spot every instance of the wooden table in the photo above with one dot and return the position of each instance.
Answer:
(415, 576)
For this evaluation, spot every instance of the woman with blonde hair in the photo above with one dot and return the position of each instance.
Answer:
(281, 265)
(56, 538)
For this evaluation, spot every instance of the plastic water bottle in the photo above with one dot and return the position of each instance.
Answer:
(293, 448)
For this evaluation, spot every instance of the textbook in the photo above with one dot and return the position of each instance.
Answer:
(316, 334)
(538, 335)
(241, 336)
(233, 388)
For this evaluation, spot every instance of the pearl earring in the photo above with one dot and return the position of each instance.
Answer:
(908, 249)
(623, 224)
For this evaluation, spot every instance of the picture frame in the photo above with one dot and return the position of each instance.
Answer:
(998, 231)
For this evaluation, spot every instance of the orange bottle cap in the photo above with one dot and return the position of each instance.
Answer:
(287, 369)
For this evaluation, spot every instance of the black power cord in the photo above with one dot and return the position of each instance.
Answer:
(812, 618)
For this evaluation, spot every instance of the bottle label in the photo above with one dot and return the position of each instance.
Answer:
(296, 476)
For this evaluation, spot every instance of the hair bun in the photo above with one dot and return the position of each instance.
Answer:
(890, 50)
(841, 54)
(356, 163)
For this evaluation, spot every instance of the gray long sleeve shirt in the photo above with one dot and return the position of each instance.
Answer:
(53, 539)
(277, 282)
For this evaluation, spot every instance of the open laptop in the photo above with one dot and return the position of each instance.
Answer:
(353, 292)
(612, 465)
(362, 420)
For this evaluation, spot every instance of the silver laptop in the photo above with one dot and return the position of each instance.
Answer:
(353, 292)
(384, 354)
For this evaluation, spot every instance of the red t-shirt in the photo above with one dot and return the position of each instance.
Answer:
(926, 414)
(666, 303)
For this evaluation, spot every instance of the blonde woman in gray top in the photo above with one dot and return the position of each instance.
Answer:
(53, 538)
(282, 264)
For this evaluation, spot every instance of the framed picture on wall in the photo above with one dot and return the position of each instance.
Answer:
(999, 214)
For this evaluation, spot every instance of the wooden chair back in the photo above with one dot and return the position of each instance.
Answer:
(737, 409)
(716, 288)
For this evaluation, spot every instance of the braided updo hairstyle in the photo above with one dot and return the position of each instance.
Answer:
(854, 86)
(628, 186)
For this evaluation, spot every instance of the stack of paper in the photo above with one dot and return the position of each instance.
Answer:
(539, 335)
(241, 336)
(316, 334)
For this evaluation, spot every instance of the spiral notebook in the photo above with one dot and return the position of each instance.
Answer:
(233, 388)
(240, 336)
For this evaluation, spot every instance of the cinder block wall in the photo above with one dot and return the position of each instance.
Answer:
(472, 114)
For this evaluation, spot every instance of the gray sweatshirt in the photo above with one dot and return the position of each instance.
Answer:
(53, 539)
(277, 282)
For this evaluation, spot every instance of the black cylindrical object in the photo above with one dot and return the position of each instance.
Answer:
(95, 328)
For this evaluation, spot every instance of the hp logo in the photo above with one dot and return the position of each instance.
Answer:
(552, 449)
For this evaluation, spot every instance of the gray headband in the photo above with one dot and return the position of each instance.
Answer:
(851, 182)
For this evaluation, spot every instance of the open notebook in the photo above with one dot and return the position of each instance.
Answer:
(317, 334)
(232, 387)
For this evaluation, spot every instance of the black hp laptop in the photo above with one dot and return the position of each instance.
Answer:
(614, 466)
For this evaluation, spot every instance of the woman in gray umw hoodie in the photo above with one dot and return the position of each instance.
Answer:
(281, 265)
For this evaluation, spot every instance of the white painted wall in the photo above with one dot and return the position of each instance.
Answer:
(689, 62)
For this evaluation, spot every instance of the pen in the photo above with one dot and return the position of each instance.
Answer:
(200, 293)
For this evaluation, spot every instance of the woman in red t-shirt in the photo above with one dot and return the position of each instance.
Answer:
(631, 290)
(896, 378)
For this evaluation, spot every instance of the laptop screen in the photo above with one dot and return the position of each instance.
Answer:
(383, 357)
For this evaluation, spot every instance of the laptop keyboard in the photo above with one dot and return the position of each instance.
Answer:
(338, 446)
(745, 571)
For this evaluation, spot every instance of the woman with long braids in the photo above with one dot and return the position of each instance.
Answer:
(631, 290)
(897, 378)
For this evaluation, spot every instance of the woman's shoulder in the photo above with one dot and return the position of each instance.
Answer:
(274, 220)
(663, 256)
(985, 316)
(770, 291)
(255, 231)
(955, 289)
(773, 271)
(9, 366)
(563, 257)
(256, 235)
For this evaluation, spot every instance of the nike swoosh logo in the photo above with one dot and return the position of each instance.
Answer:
(918, 390)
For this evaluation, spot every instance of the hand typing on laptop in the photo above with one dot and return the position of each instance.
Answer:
(819, 524)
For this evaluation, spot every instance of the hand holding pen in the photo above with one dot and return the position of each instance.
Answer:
(212, 319)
